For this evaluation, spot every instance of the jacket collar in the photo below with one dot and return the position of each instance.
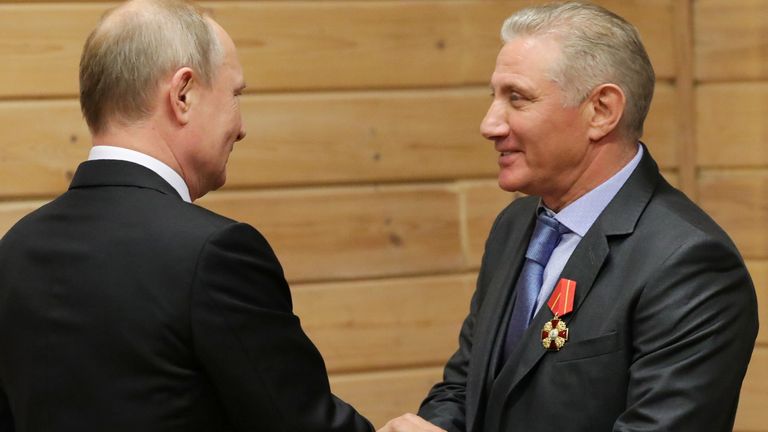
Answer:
(98, 173)
(620, 217)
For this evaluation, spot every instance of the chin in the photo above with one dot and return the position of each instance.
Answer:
(510, 185)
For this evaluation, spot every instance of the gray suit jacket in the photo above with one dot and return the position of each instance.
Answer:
(664, 323)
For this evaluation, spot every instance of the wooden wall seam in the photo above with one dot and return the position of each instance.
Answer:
(686, 115)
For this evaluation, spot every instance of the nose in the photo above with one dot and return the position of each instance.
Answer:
(494, 124)
(241, 134)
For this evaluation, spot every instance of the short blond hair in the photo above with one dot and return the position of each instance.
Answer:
(132, 48)
(597, 47)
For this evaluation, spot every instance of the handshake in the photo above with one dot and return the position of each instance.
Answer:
(409, 423)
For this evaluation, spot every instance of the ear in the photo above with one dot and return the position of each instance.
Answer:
(180, 95)
(605, 108)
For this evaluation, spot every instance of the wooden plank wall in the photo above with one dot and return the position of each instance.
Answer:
(363, 164)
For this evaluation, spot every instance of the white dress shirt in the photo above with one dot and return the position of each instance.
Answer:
(173, 178)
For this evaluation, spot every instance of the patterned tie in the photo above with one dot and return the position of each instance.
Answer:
(545, 238)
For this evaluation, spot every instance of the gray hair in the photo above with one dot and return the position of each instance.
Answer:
(597, 47)
(132, 48)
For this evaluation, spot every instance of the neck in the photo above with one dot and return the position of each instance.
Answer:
(601, 163)
(147, 139)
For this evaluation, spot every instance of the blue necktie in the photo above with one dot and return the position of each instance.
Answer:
(545, 238)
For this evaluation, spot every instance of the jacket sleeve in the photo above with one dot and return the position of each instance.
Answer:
(694, 330)
(268, 374)
(445, 405)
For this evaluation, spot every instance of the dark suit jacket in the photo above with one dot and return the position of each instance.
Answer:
(663, 326)
(123, 308)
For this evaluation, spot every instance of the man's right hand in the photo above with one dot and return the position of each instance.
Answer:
(409, 423)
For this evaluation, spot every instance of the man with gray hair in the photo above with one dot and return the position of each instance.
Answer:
(124, 307)
(606, 299)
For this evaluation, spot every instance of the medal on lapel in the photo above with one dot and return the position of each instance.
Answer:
(554, 335)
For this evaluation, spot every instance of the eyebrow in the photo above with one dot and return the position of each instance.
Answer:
(511, 87)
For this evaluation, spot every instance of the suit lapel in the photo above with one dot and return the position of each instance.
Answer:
(497, 300)
(619, 218)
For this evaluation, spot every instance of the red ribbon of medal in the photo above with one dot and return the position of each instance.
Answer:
(555, 333)
(561, 300)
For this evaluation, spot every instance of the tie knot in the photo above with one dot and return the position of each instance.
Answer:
(546, 236)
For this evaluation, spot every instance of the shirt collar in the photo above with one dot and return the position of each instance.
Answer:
(580, 215)
(173, 178)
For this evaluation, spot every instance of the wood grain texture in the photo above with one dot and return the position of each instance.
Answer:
(309, 45)
(482, 201)
(345, 233)
(738, 201)
(685, 84)
(732, 131)
(382, 396)
(754, 394)
(730, 41)
(303, 139)
(386, 323)
(333, 45)
(293, 139)
(342, 233)
(40, 147)
(361, 137)
(40, 46)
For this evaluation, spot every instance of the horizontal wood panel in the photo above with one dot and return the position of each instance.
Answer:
(344, 44)
(40, 147)
(738, 201)
(759, 272)
(387, 323)
(729, 39)
(309, 45)
(358, 137)
(305, 138)
(754, 394)
(482, 201)
(344, 233)
(292, 139)
(40, 46)
(303, 45)
(382, 396)
(731, 125)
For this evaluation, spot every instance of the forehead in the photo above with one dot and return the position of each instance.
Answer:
(230, 61)
(528, 58)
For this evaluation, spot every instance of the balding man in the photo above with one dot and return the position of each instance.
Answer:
(124, 307)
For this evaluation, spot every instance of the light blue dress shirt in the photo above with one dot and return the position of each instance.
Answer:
(579, 216)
